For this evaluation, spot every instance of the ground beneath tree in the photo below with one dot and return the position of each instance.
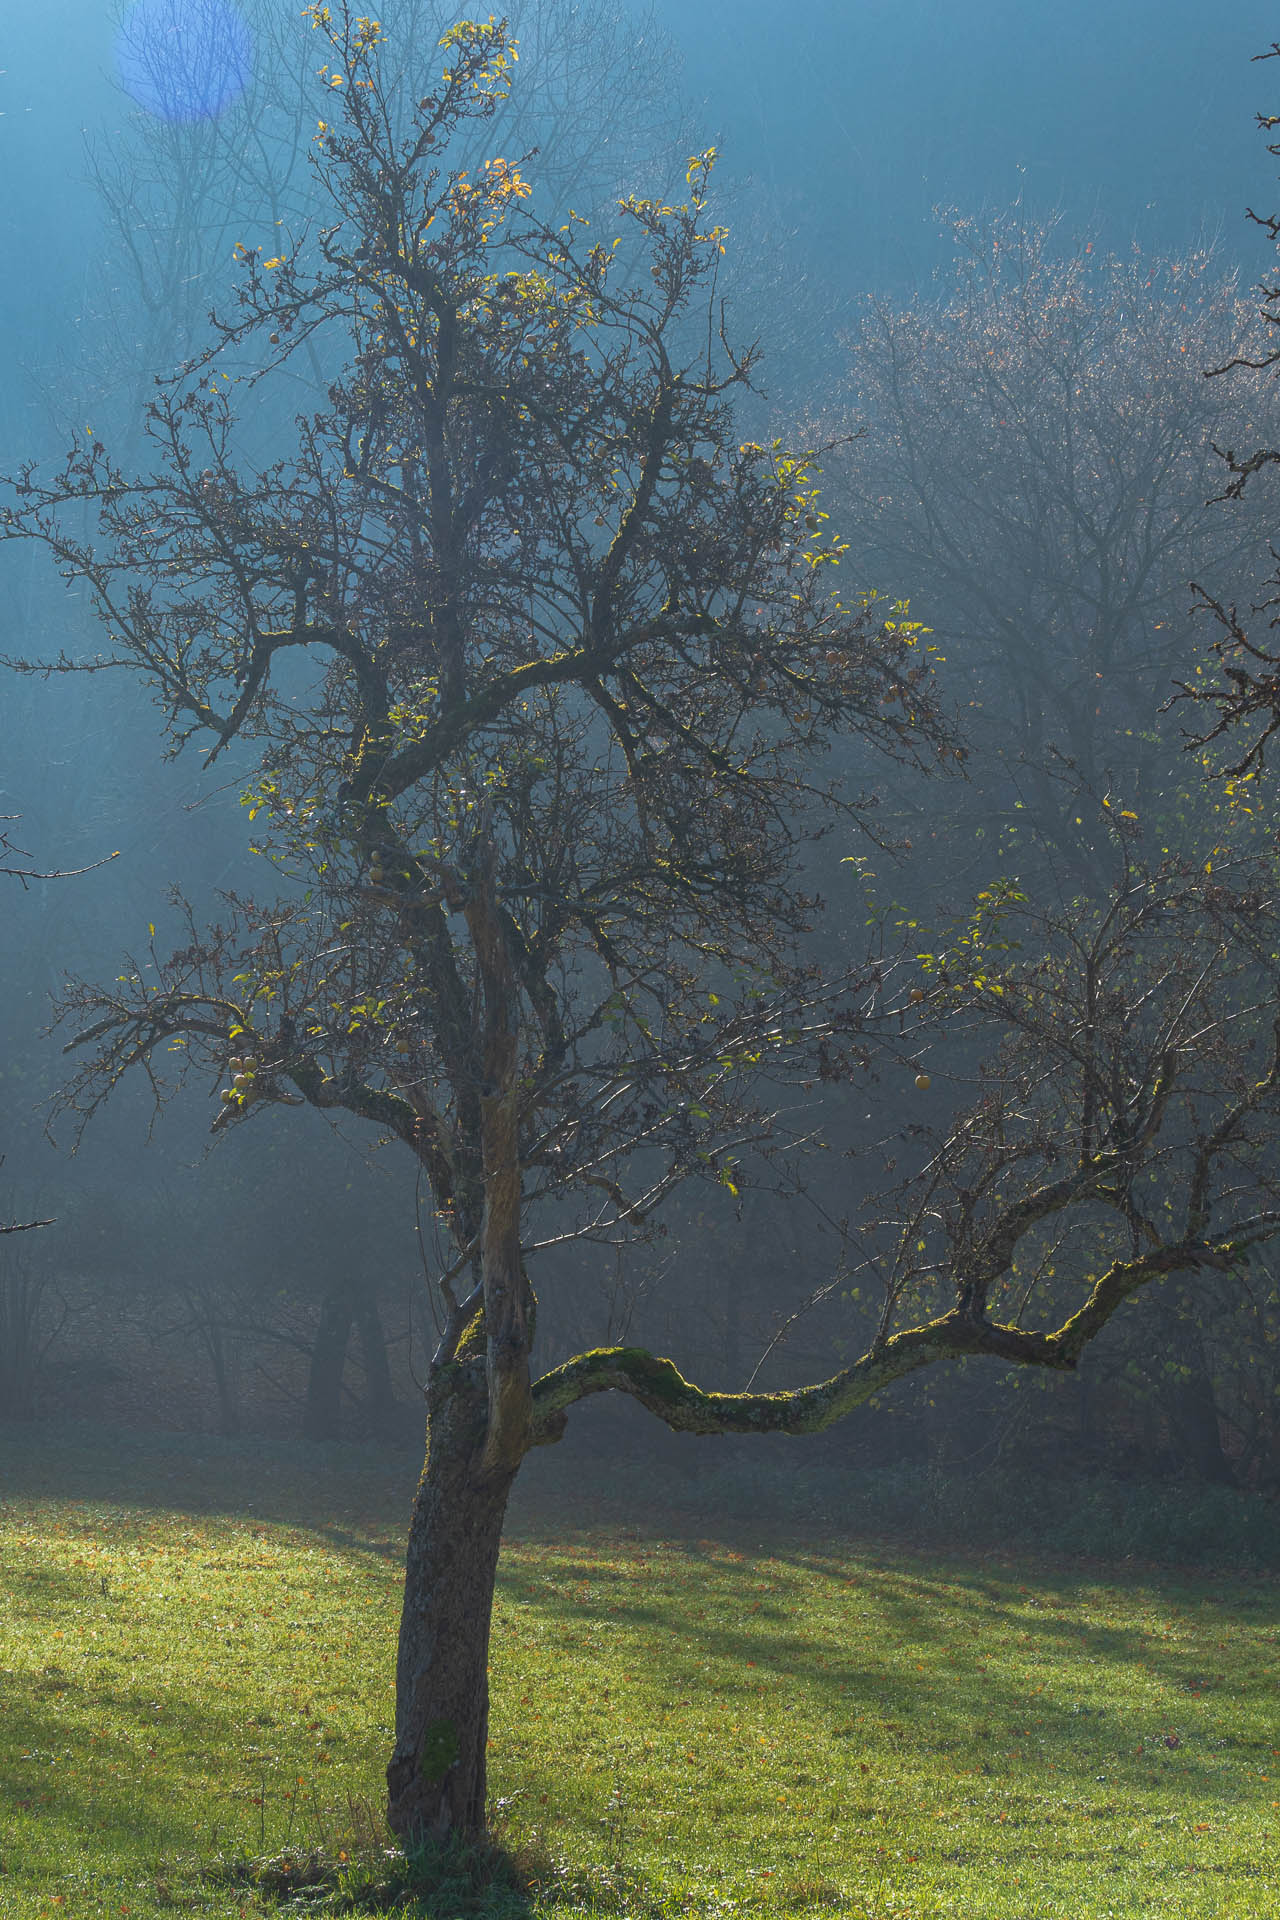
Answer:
(195, 1661)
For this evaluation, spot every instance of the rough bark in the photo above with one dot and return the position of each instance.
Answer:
(508, 1303)
(436, 1779)
(479, 1420)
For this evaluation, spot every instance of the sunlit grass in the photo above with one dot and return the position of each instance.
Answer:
(707, 1726)
(903, 1737)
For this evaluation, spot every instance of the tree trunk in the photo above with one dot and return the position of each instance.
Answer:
(322, 1415)
(1192, 1409)
(223, 1379)
(379, 1393)
(479, 1428)
(436, 1779)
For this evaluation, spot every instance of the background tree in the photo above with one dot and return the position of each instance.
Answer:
(16, 865)
(545, 665)
(25, 1287)
(1034, 451)
(177, 193)
(1240, 696)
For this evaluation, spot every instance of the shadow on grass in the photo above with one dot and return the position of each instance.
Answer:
(103, 1746)
(948, 1663)
(450, 1880)
(1064, 1686)
(64, 1766)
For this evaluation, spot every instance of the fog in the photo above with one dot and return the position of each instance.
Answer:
(190, 1282)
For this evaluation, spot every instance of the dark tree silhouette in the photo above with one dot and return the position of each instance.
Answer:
(544, 663)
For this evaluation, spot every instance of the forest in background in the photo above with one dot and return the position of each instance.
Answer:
(1045, 529)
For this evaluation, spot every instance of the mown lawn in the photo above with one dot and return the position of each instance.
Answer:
(195, 1666)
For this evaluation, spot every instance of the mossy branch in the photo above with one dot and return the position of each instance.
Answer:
(686, 1408)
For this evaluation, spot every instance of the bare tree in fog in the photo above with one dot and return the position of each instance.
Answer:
(178, 194)
(27, 1331)
(15, 864)
(1034, 464)
(25, 1336)
(1241, 694)
(545, 664)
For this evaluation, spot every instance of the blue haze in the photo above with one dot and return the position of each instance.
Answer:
(849, 123)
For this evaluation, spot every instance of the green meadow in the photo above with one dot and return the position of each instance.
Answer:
(196, 1654)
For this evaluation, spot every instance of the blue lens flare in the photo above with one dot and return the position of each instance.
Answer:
(184, 60)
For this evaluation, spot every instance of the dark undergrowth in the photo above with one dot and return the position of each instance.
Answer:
(739, 1487)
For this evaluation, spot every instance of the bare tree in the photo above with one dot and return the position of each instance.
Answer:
(26, 1336)
(545, 664)
(16, 865)
(1034, 460)
(178, 193)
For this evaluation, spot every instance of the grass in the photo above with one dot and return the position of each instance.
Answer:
(196, 1646)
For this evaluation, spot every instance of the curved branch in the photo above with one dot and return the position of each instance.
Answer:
(686, 1408)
